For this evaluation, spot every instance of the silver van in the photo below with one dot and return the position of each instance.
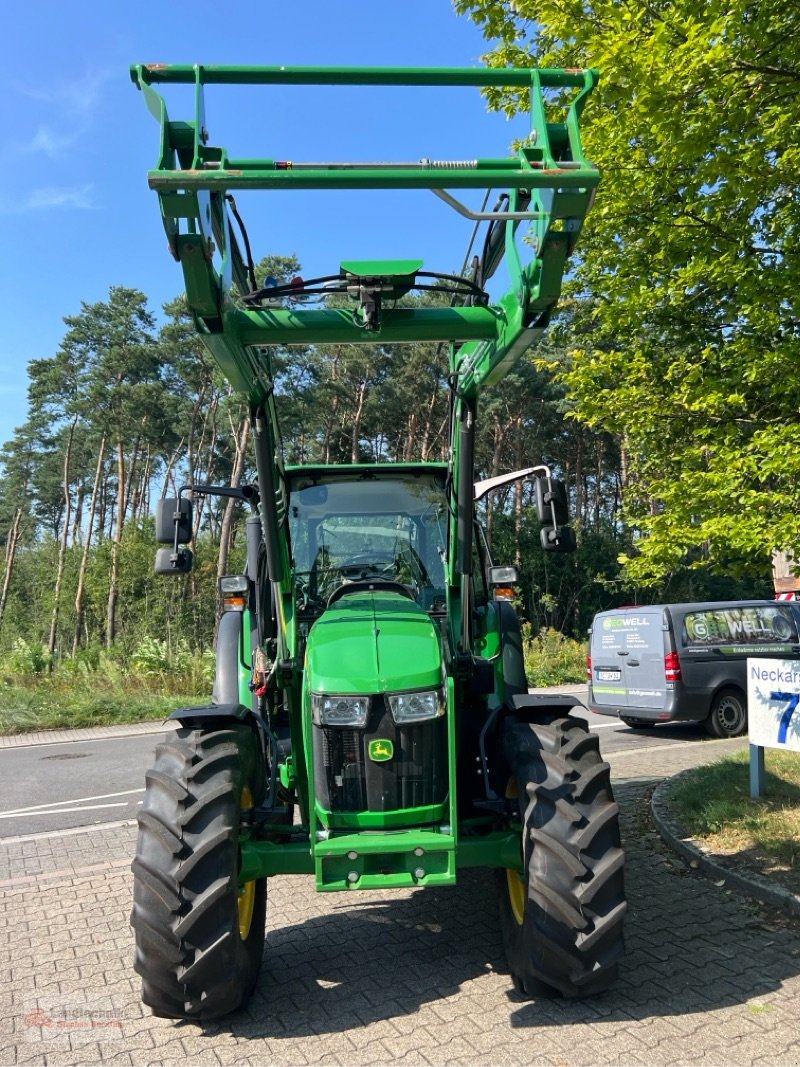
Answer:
(678, 662)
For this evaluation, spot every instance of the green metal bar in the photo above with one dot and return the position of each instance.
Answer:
(263, 859)
(503, 848)
(385, 844)
(216, 74)
(366, 177)
(271, 326)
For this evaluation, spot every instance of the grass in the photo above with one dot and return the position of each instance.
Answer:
(96, 688)
(714, 805)
(55, 705)
(553, 659)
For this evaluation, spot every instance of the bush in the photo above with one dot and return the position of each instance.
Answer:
(553, 659)
(25, 660)
(177, 668)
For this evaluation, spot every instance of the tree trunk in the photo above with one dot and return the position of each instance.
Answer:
(62, 544)
(329, 425)
(598, 482)
(425, 447)
(226, 532)
(169, 476)
(77, 520)
(497, 452)
(579, 486)
(355, 440)
(518, 493)
(14, 538)
(81, 590)
(130, 481)
(116, 542)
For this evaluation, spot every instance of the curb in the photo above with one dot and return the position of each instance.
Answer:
(83, 733)
(751, 884)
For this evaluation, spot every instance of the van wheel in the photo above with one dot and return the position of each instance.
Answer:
(728, 715)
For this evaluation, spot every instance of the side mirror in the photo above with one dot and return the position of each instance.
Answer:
(551, 501)
(168, 561)
(170, 512)
(558, 539)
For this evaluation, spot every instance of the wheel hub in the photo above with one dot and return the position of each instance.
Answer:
(247, 894)
(517, 889)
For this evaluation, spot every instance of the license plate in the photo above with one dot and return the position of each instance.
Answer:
(609, 676)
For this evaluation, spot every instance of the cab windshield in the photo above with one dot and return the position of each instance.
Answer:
(357, 528)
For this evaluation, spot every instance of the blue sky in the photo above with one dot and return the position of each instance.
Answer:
(76, 142)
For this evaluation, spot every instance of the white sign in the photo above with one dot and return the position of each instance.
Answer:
(773, 703)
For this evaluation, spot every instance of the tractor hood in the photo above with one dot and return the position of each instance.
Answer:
(373, 642)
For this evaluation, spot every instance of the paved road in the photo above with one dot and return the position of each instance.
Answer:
(401, 977)
(47, 785)
(55, 786)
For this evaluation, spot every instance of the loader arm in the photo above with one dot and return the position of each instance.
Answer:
(549, 181)
(546, 187)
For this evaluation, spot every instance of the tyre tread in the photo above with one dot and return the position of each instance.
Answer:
(193, 963)
(571, 938)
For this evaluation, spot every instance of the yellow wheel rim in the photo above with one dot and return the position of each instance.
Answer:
(517, 889)
(247, 893)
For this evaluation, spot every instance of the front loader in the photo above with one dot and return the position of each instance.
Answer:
(370, 723)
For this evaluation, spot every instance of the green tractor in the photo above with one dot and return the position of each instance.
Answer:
(370, 723)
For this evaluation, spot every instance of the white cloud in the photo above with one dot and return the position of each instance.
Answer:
(50, 198)
(71, 108)
(76, 99)
(50, 143)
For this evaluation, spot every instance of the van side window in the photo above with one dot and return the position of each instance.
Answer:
(739, 626)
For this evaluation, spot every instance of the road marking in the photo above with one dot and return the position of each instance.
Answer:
(74, 800)
(59, 811)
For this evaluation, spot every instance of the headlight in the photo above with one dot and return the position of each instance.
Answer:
(340, 711)
(415, 707)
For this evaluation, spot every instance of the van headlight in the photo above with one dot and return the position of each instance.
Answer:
(340, 710)
(418, 706)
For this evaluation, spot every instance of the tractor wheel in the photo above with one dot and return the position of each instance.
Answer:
(199, 939)
(728, 715)
(562, 920)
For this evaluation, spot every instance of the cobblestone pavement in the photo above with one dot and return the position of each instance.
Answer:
(401, 977)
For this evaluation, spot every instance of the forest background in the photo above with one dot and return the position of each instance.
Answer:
(666, 394)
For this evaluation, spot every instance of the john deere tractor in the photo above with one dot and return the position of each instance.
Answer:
(370, 723)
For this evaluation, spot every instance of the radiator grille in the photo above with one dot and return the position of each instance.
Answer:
(347, 780)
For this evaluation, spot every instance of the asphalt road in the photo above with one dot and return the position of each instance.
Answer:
(80, 783)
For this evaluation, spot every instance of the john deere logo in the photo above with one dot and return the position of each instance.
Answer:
(380, 750)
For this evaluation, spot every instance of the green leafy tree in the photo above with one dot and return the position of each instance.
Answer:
(685, 328)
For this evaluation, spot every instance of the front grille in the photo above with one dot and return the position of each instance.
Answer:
(347, 780)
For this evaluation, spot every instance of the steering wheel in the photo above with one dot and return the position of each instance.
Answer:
(367, 585)
(367, 563)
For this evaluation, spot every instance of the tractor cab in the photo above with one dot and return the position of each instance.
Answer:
(358, 527)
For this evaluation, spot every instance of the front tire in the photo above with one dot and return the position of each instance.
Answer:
(728, 715)
(562, 920)
(199, 939)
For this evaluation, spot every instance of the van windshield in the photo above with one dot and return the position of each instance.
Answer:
(740, 625)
